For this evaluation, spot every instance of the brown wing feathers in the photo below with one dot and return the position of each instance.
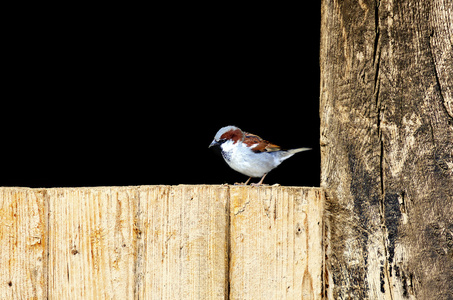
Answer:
(260, 144)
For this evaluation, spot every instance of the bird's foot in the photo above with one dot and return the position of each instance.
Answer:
(259, 184)
(243, 183)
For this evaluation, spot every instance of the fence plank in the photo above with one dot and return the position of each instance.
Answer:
(276, 243)
(92, 242)
(161, 242)
(183, 242)
(23, 232)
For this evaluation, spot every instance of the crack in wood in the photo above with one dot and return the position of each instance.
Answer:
(385, 274)
(436, 75)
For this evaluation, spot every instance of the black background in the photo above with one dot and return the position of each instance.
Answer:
(134, 95)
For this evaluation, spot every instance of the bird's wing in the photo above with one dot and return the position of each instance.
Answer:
(258, 144)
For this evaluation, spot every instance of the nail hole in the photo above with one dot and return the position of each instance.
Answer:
(298, 229)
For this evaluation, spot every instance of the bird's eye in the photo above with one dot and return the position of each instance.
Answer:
(221, 141)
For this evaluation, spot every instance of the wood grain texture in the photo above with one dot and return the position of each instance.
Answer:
(386, 147)
(182, 242)
(275, 250)
(23, 244)
(92, 245)
(162, 242)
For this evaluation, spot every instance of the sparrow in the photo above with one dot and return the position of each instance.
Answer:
(249, 154)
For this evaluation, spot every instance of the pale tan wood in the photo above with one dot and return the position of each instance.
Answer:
(92, 244)
(183, 242)
(161, 242)
(276, 243)
(23, 234)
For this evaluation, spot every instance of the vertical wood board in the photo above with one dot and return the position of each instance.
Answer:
(23, 239)
(182, 242)
(276, 243)
(92, 245)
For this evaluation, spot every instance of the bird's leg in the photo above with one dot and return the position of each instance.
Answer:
(262, 178)
(261, 181)
(244, 183)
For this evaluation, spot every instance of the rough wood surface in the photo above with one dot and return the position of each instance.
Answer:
(387, 147)
(91, 243)
(183, 251)
(276, 252)
(23, 244)
(161, 242)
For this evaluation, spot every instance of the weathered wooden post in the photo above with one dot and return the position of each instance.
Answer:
(387, 147)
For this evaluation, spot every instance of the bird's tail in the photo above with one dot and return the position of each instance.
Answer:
(288, 153)
(294, 151)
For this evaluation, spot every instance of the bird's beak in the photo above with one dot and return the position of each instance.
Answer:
(214, 143)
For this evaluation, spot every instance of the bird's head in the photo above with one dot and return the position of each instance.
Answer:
(225, 134)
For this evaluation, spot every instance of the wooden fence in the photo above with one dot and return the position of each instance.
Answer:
(162, 242)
